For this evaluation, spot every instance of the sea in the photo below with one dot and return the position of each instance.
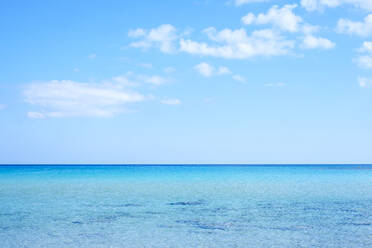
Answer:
(185, 206)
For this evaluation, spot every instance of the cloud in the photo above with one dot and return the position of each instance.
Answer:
(241, 2)
(358, 28)
(35, 115)
(239, 78)
(366, 47)
(364, 61)
(204, 69)
(169, 69)
(222, 70)
(282, 18)
(127, 79)
(92, 56)
(2, 106)
(162, 37)
(156, 80)
(312, 5)
(312, 42)
(171, 101)
(237, 44)
(122, 80)
(207, 70)
(364, 82)
(66, 98)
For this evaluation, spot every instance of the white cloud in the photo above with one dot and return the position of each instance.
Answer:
(67, 98)
(76, 69)
(364, 82)
(282, 18)
(312, 42)
(222, 70)
(311, 5)
(2, 106)
(207, 70)
(285, 20)
(275, 85)
(359, 28)
(156, 80)
(122, 80)
(162, 37)
(366, 47)
(239, 78)
(169, 69)
(237, 44)
(92, 56)
(137, 33)
(241, 2)
(171, 101)
(364, 61)
(204, 69)
(35, 115)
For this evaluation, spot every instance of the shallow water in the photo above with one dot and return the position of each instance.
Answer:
(186, 206)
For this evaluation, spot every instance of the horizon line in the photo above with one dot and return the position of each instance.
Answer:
(179, 164)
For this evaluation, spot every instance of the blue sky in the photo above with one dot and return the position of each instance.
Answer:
(239, 81)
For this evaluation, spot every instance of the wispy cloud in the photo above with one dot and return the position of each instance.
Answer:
(173, 101)
(241, 2)
(313, 42)
(208, 70)
(312, 5)
(282, 18)
(66, 98)
(238, 44)
(36, 115)
(2, 106)
(365, 82)
(155, 79)
(363, 28)
(239, 78)
(163, 37)
(169, 69)
(204, 69)
(366, 47)
(286, 20)
(364, 61)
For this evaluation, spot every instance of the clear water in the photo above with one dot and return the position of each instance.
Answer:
(183, 206)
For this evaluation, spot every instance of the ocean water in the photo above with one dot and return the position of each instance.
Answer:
(186, 206)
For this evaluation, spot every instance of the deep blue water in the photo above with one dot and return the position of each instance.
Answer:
(186, 206)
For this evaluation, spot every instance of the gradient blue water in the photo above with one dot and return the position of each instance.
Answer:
(183, 206)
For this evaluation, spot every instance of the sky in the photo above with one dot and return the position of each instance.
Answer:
(188, 81)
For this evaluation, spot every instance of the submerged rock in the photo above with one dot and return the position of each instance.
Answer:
(187, 203)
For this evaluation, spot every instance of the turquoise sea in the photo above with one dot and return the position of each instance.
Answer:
(186, 206)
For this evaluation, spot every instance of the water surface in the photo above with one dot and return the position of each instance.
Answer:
(186, 206)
